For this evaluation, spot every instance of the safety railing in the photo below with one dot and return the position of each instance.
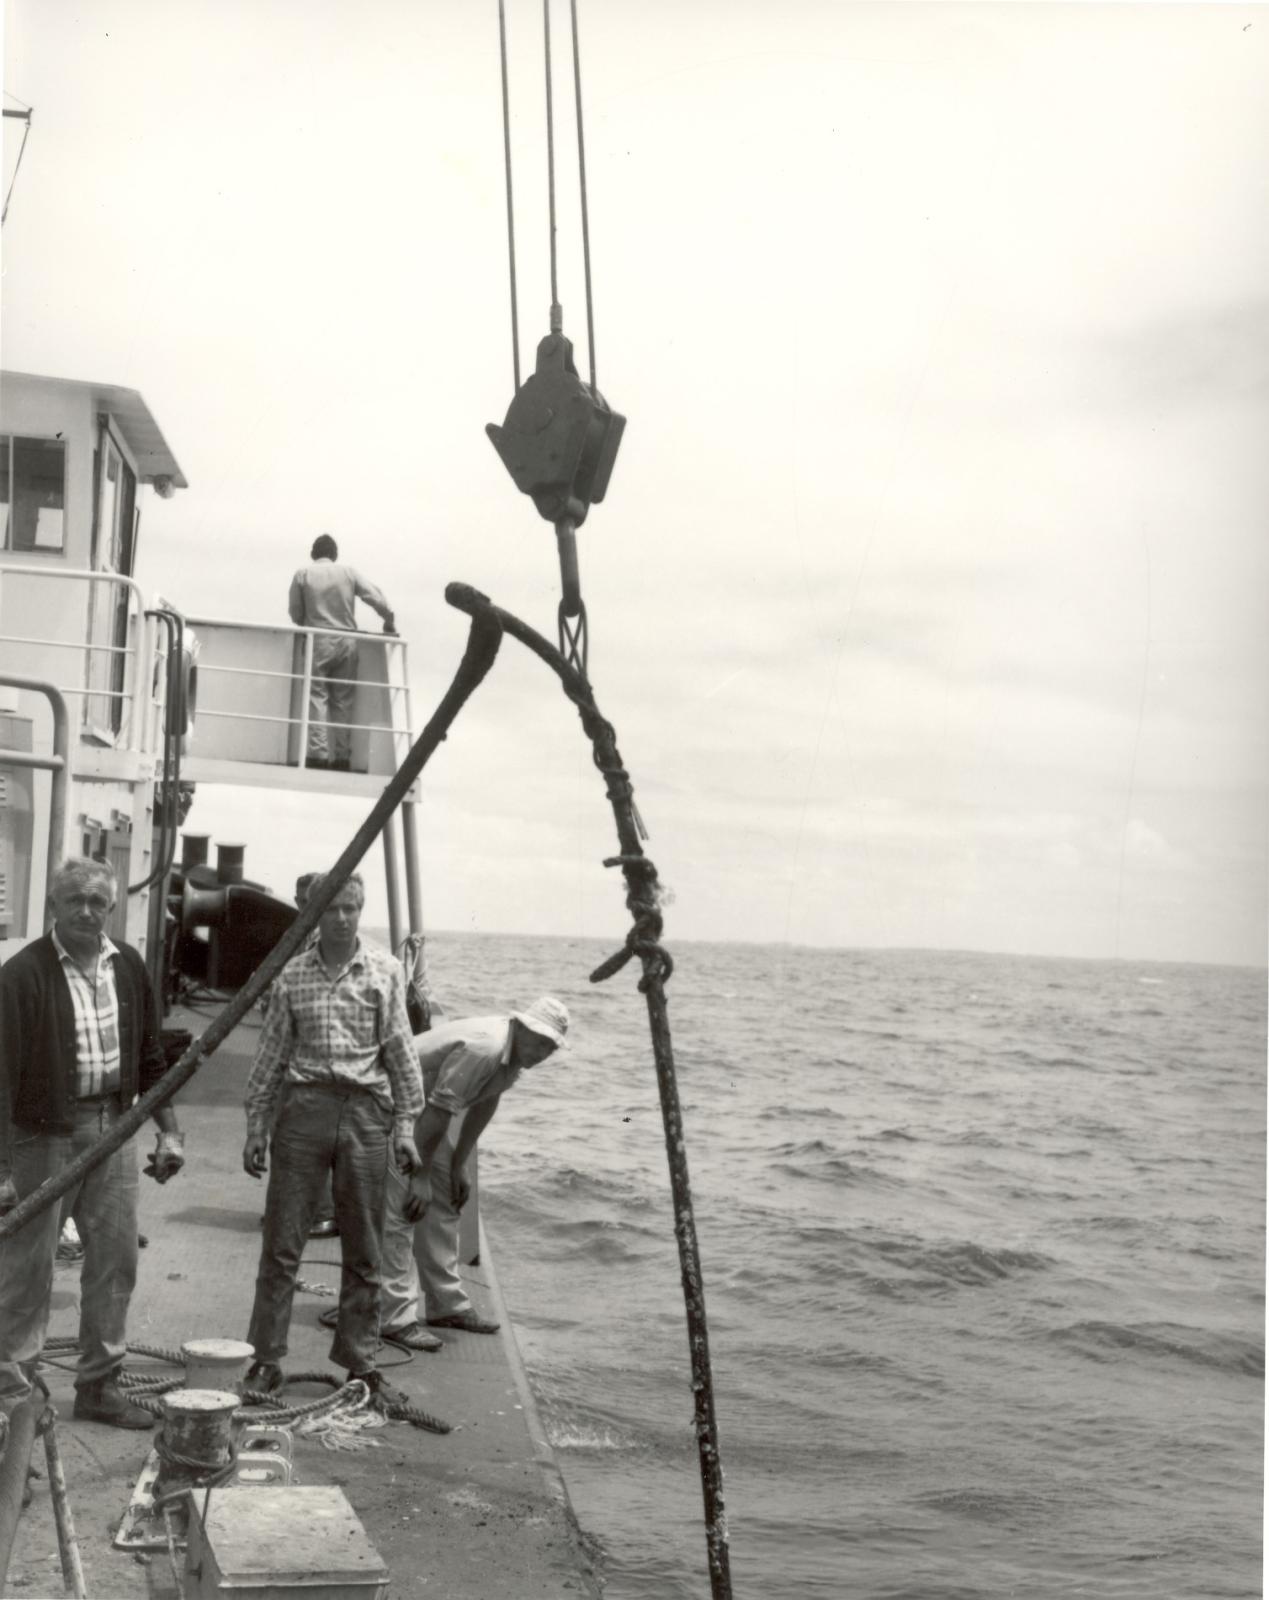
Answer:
(51, 616)
(255, 694)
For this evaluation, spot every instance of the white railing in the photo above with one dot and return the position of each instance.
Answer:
(56, 621)
(254, 688)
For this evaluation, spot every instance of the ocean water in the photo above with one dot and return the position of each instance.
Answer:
(983, 1240)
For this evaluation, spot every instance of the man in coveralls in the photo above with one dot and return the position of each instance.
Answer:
(79, 1039)
(324, 595)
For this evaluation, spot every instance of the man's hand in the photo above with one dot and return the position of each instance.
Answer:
(168, 1157)
(406, 1153)
(459, 1187)
(8, 1196)
(419, 1196)
(254, 1153)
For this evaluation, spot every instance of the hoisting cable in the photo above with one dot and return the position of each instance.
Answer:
(560, 437)
(644, 940)
(482, 648)
(557, 311)
(511, 223)
(581, 178)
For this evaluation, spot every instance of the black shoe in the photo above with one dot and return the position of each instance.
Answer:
(317, 764)
(382, 1395)
(104, 1401)
(324, 1228)
(264, 1377)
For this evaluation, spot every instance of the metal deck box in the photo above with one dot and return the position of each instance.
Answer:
(280, 1544)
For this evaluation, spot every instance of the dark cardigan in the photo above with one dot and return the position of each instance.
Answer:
(38, 1056)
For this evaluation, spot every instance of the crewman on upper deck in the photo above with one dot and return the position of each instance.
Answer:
(337, 1080)
(79, 1039)
(324, 595)
(467, 1066)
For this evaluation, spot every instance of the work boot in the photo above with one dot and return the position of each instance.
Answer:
(264, 1377)
(104, 1401)
(383, 1395)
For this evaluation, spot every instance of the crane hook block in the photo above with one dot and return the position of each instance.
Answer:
(560, 438)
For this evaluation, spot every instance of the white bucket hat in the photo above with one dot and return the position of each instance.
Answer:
(548, 1017)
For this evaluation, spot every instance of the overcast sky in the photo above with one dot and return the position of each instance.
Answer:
(929, 597)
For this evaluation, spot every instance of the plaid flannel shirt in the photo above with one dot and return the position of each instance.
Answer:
(349, 1029)
(96, 1005)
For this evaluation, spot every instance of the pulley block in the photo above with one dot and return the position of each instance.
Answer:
(560, 438)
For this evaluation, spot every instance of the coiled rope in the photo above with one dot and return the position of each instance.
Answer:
(147, 1391)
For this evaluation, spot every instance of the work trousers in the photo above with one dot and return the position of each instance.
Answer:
(324, 1129)
(332, 691)
(420, 1261)
(104, 1206)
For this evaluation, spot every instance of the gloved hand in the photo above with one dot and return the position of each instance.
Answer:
(168, 1157)
(8, 1196)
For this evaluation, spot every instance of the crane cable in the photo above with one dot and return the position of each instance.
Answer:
(572, 620)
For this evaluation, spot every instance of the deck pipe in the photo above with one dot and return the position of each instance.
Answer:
(15, 1468)
(67, 1544)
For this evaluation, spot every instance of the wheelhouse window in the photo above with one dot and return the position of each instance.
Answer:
(33, 493)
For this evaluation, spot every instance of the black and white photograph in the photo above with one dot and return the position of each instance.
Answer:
(634, 799)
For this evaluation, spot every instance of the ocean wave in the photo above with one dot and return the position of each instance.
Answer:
(919, 1271)
(781, 1111)
(837, 1169)
(1106, 1341)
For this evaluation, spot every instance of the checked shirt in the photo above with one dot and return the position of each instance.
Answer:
(350, 1029)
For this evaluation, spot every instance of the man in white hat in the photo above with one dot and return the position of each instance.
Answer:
(467, 1066)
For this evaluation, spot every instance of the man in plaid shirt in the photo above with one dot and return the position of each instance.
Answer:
(337, 1080)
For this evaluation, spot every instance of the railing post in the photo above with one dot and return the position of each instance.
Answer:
(391, 884)
(305, 690)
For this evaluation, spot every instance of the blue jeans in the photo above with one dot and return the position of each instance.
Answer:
(321, 1130)
(104, 1206)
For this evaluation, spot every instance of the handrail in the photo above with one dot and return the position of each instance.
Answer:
(130, 694)
(58, 764)
(290, 627)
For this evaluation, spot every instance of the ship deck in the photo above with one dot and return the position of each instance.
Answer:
(480, 1513)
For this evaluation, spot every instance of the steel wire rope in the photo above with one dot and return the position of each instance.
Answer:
(557, 313)
(581, 179)
(511, 225)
